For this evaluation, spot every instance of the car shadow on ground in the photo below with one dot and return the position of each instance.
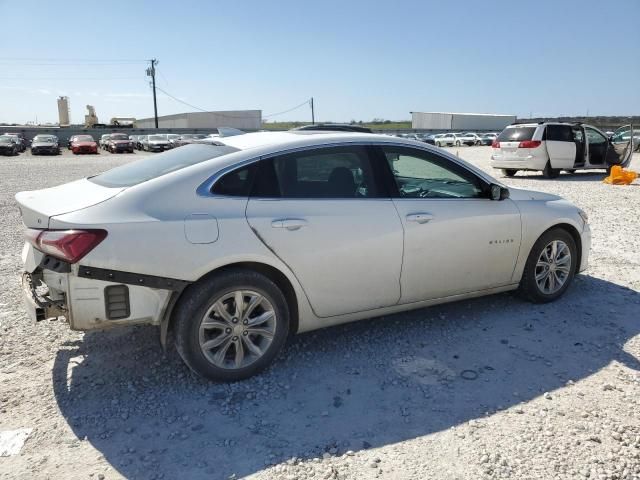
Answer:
(580, 176)
(351, 387)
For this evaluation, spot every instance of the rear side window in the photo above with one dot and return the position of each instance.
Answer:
(333, 172)
(516, 134)
(559, 133)
(157, 165)
(236, 183)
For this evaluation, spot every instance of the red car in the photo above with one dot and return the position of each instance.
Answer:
(83, 144)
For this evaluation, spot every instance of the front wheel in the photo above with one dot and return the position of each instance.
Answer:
(550, 268)
(232, 325)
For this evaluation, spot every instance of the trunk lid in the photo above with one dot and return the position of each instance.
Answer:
(38, 206)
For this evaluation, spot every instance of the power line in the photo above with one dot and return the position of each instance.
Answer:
(306, 102)
(83, 60)
(221, 114)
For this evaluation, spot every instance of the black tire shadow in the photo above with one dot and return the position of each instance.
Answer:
(433, 369)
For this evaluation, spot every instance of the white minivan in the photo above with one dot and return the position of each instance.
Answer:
(552, 147)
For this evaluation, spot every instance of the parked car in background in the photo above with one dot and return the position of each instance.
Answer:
(488, 138)
(156, 143)
(449, 140)
(21, 141)
(8, 145)
(241, 279)
(45, 144)
(83, 144)
(552, 147)
(103, 141)
(430, 138)
(624, 135)
(172, 138)
(470, 138)
(119, 143)
(188, 138)
(138, 141)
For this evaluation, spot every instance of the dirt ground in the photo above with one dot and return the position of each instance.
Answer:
(487, 388)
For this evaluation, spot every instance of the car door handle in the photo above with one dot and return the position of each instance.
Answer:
(419, 217)
(289, 223)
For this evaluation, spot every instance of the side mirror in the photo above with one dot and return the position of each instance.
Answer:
(498, 192)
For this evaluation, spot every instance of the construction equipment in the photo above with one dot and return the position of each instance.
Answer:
(91, 118)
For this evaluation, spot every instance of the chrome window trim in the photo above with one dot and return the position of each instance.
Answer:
(204, 189)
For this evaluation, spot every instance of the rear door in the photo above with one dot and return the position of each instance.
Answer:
(323, 213)
(510, 138)
(621, 146)
(561, 146)
(456, 240)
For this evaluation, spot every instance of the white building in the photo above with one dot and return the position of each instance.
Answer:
(460, 121)
(242, 119)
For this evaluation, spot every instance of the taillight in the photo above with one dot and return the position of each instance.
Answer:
(529, 144)
(67, 245)
(495, 144)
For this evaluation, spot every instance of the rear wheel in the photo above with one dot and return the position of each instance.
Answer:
(550, 267)
(232, 325)
(549, 172)
(509, 172)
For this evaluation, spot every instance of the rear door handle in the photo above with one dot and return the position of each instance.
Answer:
(289, 223)
(419, 217)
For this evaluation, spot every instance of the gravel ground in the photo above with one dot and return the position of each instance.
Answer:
(487, 388)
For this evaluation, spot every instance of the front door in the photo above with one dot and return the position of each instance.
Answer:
(323, 214)
(621, 145)
(456, 240)
(597, 144)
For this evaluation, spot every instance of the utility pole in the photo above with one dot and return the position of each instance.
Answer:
(313, 116)
(151, 72)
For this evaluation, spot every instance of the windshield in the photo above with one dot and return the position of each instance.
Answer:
(119, 136)
(516, 134)
(152, 167)
(5, 139)
(83, 138)
(157, 137)
(41, 138)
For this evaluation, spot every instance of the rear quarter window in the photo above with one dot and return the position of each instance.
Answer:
(516, 134)
(155, 166)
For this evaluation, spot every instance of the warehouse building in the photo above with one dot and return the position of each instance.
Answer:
(460, 121)
(243, 119)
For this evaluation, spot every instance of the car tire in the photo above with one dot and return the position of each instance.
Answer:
(218, 293)
(549, 172)
(458, 143)
(533, 282)
(509, 172)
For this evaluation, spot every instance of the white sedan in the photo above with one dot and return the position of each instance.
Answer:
(236, 245)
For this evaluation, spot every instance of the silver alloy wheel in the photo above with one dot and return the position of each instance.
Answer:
(237, 329)
(553, 267)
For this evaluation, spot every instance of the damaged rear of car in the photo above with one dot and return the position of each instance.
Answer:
(75, 233)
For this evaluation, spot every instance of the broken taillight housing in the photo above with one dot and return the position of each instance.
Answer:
(67, 245)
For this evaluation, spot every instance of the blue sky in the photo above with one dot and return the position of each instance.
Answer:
(358, 59)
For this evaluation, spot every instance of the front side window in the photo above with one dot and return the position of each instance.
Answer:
(332, 172)
(594, 137)
(421, 174)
